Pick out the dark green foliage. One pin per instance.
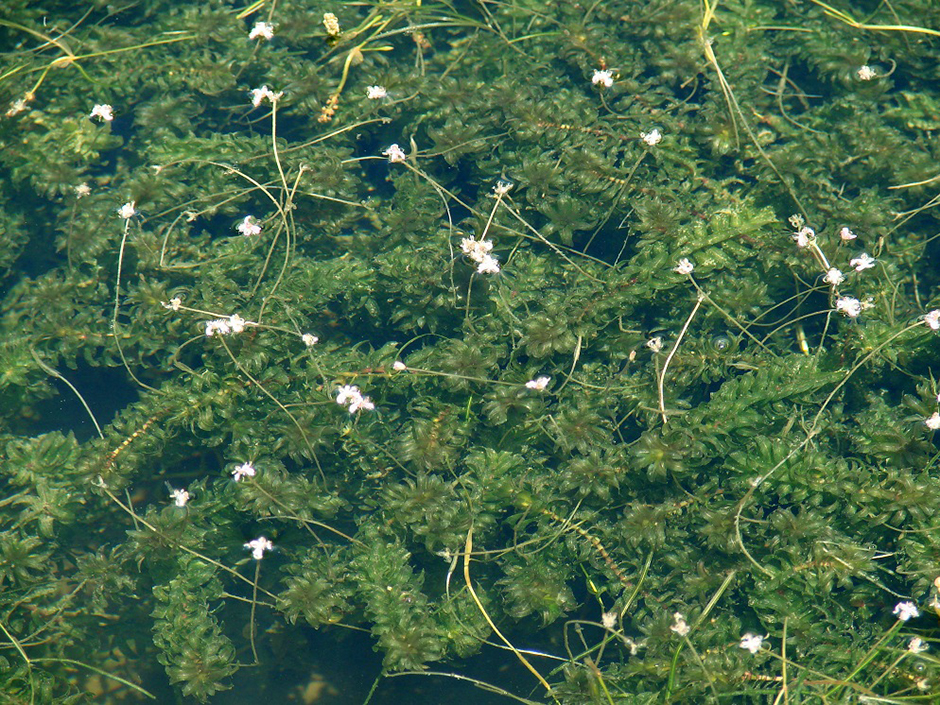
(391, 592)
(537, 586)
(193, 648)
(431, 508)
(774, 472)
(317, 589)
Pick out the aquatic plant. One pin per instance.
(594, 339)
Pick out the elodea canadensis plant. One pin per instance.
(596, 343)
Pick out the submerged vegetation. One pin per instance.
(599, 339)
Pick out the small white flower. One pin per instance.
(219, 325)
(361, 403)
(376, 92)
(258, 546)
(679, 625)
(653, 137)
(933, 422)
(932, 319)
(82, 190)
(866, 73)
(309, 339)
(604, 79)
(804, 236)
(684, 267)
(905, 611)
(502, 187)
(347, 393)
(249, 226)
(849, 306)
(173, 304)
(917, 645)
(237, 323)
(609, 619)
(399, 366)
(834, 277)
(262, 30)
(846, 235)
(395, 154)
(242, 471)
(103, 111)
(331, 24)
(751, 642)
(260, 94)
(127, 210)
(539, 383)
(488, 265)
(862, 262)
(655, 344)
(476, 249)
(180, 497)
(350, 394)
(18, 106)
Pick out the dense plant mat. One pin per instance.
(593, 343)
